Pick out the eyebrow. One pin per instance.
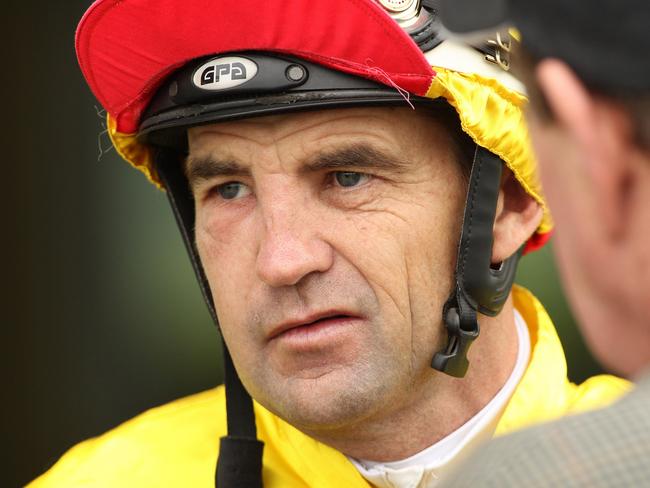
(356, 156)
(208, 167)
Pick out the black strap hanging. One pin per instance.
(479, 286)
(240, 452)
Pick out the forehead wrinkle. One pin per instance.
(271, 125)
(324, 121)
(261, 131)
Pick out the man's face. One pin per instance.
(329, 241)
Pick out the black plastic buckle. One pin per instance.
(462, 328)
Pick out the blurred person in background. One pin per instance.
(587, 70)
(355, 193)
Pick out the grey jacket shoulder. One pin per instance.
(604, 448)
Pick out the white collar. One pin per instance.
(423, 469)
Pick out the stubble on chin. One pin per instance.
(337, 399)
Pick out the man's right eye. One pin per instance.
(233, 190)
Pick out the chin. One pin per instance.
(326, 402)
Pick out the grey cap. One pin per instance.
(606, 42)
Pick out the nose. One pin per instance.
(291, 245)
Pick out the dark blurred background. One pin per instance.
(103, 316)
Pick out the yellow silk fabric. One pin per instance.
(493, 117)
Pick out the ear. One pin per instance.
(517, 217)
(601, 137)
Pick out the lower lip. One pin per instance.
(318, 334)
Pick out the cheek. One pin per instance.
(405, 249)
(430, 268)
(437, 220)
(430, 257)
(229, 263)
(374, 243)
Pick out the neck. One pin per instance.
(438, 404)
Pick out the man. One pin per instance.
(349, 228)
(590, 122)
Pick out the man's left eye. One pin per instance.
(347, 179)
(233, 190)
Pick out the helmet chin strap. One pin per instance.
(240, 452)
(478, 286)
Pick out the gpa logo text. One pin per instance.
(211, 74)
(223, 73)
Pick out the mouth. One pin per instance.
(312, 325)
